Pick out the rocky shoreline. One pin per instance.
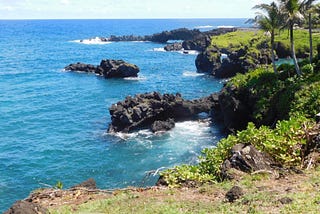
(156, 111)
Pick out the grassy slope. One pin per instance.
(239, 39)
(261, 195)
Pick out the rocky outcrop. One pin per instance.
(234, 194)
(25, 207)
(236, 61)
(173, 47)
(234, 109)
(88, 184)
(142, 110)
(246, 158)
(108, 68)
(195, 37)
(159, 126)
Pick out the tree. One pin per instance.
(307, 9)
(269, 20)
(292, 11)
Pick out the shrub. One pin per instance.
(308, 68)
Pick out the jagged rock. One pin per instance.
(173, 47)
(158, 125)
(143, 110)
(88, 184)
(234, 193)
(25, 207)
(234, 110)
(118, 69)
(246, 158)
(208, 60)
(107, 68)
(81, 67)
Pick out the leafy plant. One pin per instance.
(59, 185)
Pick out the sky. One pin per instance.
(126, 9)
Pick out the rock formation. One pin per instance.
(246, 158)
(143, 110)
(108, 68)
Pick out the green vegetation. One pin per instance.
(293, 101)
(301, 40)
(239, 39)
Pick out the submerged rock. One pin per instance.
(142, 110)
(108, 68)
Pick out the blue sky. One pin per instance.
(82, 9)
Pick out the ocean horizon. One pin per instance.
(53, 123)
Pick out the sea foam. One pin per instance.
(192, 74)
(92, 41)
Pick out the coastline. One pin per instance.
(134, 190)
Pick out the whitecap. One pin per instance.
(92, 41)
(144, 133)
(226, 26)
(192, 74)
(204, 26)
(135, 78)
(159, 49)
(189, 52)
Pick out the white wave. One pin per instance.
(159, 49)
(191, 128)
(204, 26)
(226, 26)
(93, 41)
(135, 78)
(190, 52)
(145, 133)
(192, 74)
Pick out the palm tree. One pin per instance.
(307, 8)
(270, 20)
(291, 9)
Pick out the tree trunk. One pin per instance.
(310, 38)
(295, 61)
(272, 53)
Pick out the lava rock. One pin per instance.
(173, 47)
(246, 158)
(108, 68)
(158, 125)
(142, 110)
(88, 184)
(25, 207)
(234, 193)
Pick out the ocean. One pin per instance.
(53, 123)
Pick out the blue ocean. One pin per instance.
(53, 123)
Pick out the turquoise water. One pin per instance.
(53, 123)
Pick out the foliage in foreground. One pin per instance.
(284, 143)
(296, 99)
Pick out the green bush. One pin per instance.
(308, 68)
(284, 144)
(307, 100)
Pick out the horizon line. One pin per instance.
(26, 19)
